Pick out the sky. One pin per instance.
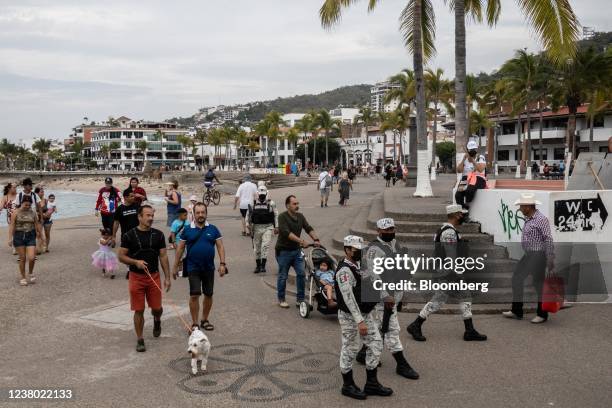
(62, 60)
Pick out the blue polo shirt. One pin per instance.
(201, 253)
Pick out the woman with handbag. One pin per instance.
(473, 177)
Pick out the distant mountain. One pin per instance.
(350, 96)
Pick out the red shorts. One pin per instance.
(141, 287)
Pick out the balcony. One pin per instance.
(601, 134)
(549, 133)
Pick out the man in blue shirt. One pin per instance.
(201, 239)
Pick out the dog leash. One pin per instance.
(168, 300)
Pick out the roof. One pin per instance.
(123, 118)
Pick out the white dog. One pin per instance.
(199, 347)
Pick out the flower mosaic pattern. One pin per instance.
(264, 373)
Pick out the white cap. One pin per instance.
(455, 208)
(472, 145)
(527, 199)
(385, 223)
(262, 190)
(261, 183)
(193, 198)
(353, 241)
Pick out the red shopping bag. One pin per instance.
(552, 294)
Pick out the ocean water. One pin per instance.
(75, 204)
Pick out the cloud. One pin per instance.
(61, 60)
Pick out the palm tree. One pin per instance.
(438, 91)
(242, 139)
(261, 130)
(544, 94)
(215, 139)
(142, 145)
(553, 21)
(186, 142)
(496, 97)
(292, 136)
(326, 123)
(306, 126)
(41, 146)
(521, 73)
(576, 79)
(405, 92)
(201, 137)
(599, 102)
(396, 122)
(273, 121)
(9, 151)
(366, 118)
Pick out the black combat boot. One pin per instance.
(415, 329)
(258, 267)
(403, 368)
(373, 387)
(349, 388)
(470, 333)
(263, 266)
(361, 355)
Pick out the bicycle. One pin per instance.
(211, 195)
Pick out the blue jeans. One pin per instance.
(287, 259)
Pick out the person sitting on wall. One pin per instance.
(473, 178)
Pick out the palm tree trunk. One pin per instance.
(394, 147)
(540, 141)
(527, 148)
(460, 78)
(305, 152)
(571, 130)
(518, 147)
(326, 149)
(314, 151)
(434, 136)
(591, 125)
(423, 187)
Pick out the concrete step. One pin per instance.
(521, 184)
(399, 211)
(411, 237)
(427, 227)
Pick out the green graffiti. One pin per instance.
(512, 221)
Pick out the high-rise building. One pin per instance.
(377, 97)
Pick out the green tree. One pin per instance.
(201, 137)
(41, 146)
(306, 125)
(327, 124)
(319, 150)
(438, 92)
(395, 121)
(446, 152)
(9, 152)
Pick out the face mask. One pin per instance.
(461, 220)
(388, 237)
(357, 255)
(472, 153)
(262, 197)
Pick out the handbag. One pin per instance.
(552, 294)
(462, 185)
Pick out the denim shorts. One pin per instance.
(24, 239)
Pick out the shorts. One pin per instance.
(48, 222)
(243, 212)
(24, 239)
(201, 282)
(141, 287)
(325, 192)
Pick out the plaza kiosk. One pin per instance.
(579, 210)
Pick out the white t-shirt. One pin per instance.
(246, 192)
(468, 166)
(322, 179)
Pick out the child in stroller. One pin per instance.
(326, 279)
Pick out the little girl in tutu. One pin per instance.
(104, 258)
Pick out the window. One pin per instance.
(536, 154)
(115, 135)
(508, 128)
(171, 138)
(503, 155)
(603, 149)
(138, 135)
(559, 153)
(598, 122)
(127, 145)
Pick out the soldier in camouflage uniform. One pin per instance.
(357, 321)
(449, 244)
(262, 219)
(385, 246)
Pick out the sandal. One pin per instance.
(206, 325)
(23, 282)
(32, 279)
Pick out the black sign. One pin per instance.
(585, 214)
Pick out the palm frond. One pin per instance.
(330, 12)
(555, 25)
(428, 27)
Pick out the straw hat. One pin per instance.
(527, 199)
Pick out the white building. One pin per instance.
(374, 148)
(161, 138)
(344, 115)
(377, 97)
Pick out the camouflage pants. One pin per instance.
(391, 339)
(262, 236)
(439, 299)
(351, 343)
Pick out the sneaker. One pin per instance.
(283, 304)
(140, 346)
(156, 328)
(511, 315)
(538, 320)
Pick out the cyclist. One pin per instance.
(210, 177)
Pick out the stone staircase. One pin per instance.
(415, 230)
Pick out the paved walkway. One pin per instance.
(73, 329)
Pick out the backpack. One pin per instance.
(328, 181)
(32, 195)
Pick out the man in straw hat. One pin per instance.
(448, 243)
(537, 243)
(356, 318)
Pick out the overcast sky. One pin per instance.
(61, 60)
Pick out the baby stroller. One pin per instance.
(316, 293)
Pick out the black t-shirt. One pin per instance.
(144, 246)
(127, 216)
